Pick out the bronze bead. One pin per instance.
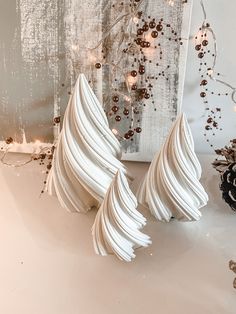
(98, 65)
(118, 118)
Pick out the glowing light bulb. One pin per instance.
(92, 59)
(75, 47)
(127, 98)
(171, 2)
(135, 19)
(131, 79)
(37, 142)
(210, 72)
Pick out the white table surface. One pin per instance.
(48, 266)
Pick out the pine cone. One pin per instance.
(228, 186)
(229, 154)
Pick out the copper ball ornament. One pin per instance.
(152, 24)
(118, 118)
(198, 47)
(145, 27)
(115, 108)
(133, 73)
(138, 41)
(9, 140)
(126, 112)
(154, 34)
(98, 65)
(57, 120)
(115, 98)
(159, 27)
(204, 82)
(131, 133)
(140, 31)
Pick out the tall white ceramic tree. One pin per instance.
(171, 187)
(117, 224)
(87, 153)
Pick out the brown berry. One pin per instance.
(9, 140)
(138, 130)
(131, 132)
(118, 118)
(115, 98)
(98, 65)
(159, 27)
(115, 108)
(140, 31)
(204, 82)
(154, 34)
(145, 27)
(198, 47)
(133, 73)
(209, 120)
(152, 24)
(57, 119)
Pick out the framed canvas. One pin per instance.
(45, 44)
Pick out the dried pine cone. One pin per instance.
(229, 153)
(232, 266)
(228, 186)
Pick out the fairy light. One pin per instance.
(114, 131)
(75, 47)
(135, 19)
(171, 2)
(131, 79)
(127, 98)
(140, 51)
(206, 50)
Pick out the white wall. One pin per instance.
(221, 16)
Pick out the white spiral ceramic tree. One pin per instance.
(171, 187)
(86, 156)
(117, 223)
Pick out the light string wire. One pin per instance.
(128, 24)
(206, 27)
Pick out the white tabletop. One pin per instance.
(48, 266)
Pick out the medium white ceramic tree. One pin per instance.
(87, 153)
(171, 187)
(117, 223)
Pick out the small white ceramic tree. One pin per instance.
(117, 223)
(171, 187)
(86, 156)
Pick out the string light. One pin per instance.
(140, 49)
(206, 50)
